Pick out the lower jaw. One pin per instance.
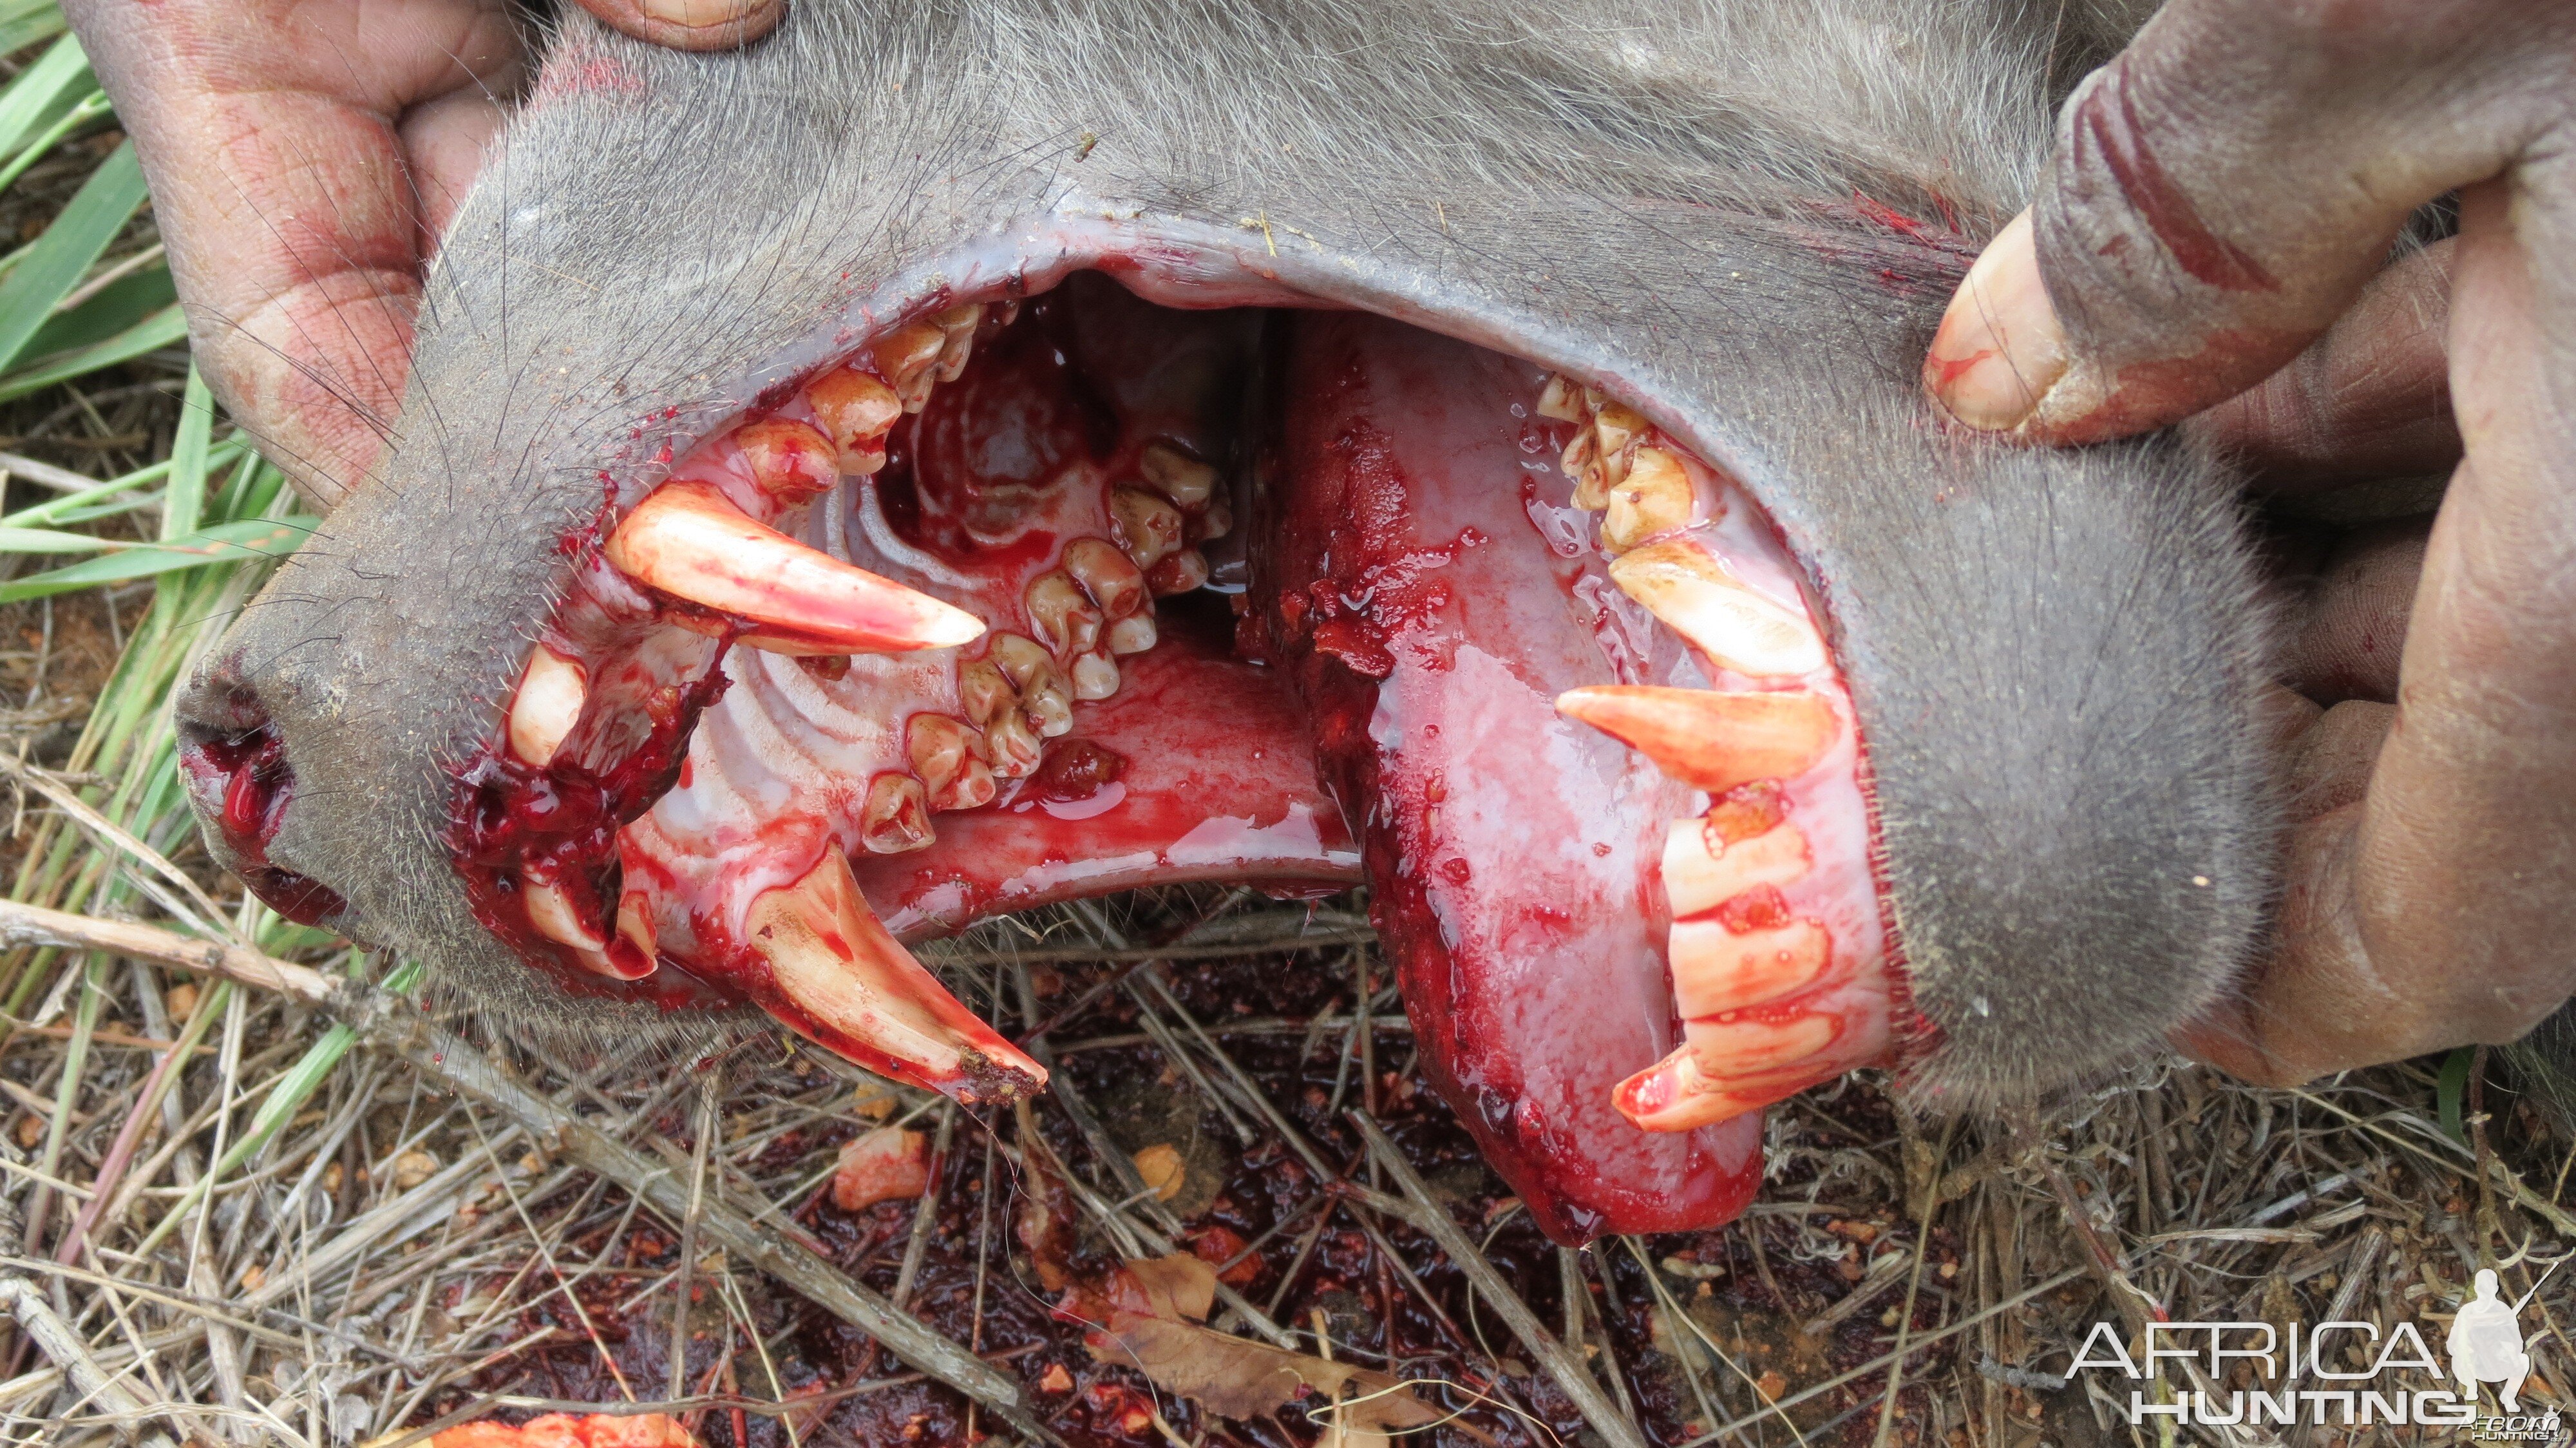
(1368, 691)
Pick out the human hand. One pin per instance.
(2221, 201)
(304, 156)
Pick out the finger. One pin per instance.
(2330, 761)
(691, 24)
(2369, 399)
(2352, 631)
(2220, 193)
(271, 134)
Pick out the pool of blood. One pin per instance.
(1429, 628)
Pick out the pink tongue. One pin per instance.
(1430, 624)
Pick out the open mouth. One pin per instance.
(1051, 591)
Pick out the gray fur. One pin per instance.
(2051, 654)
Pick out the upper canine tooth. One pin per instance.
(1561, 399)
(1654, 498)
(1184, 479)
(1062, 614)
(1149, 527)
(1709, 740)
(1702, 871)
(896, 816)
(1177, 573)
(857, 410)
(948, 757)
(1686, 587)
(1095, 676)
(906, 356)
(1133, 634)
(689, 542)
(1041, 684)
(790, 461)
(1111, 578)
(551, 692)
(958, 323)
(857, 991)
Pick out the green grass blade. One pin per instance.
(59, 78)
(165, 328)
(186, 501)
(24, 22)
(255, 539)
(117, 306)
(67, 250)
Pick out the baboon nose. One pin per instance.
(242, 784)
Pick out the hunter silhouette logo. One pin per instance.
(2486, 1342)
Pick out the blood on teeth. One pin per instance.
(1179, 572)
(1109, 576)
(1061, 613)
(1702, 872)
(791, 462)
(896, 817)
(1655, 497)
(547, 705)
(1148, 526)
(857, 410)
(1709, 740)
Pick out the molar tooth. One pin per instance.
(1682, 584)
(958, 323)
(1183, 479)
(1095, 676)
(1062, 615)
(858, 992)
(688, 541)
(1561, 399)
(1015, 746)
(1213, 521)
(1178, 573)
(948, 756)
(1042, 690)
(1654, 498)
(1133, 634)
(1702, 871)
(1715, 969)
(857, 410)
(906, 358)
(1111, 578)
(1149, 527)
(984, 692)
(896, 816)
(551, 693)
(789, 461)
(1709, 740)
(1616, 424)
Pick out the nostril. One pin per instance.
(237, 774)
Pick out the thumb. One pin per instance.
(2220, 192)
(691, 24)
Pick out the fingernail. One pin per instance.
(2000, 348)
(699, 14)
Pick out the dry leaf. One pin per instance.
(1162, 1169)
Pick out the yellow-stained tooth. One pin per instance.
(1111, 578)
(1182, 478)
(1684, 585)
(1133, 634)
(1709, 740)
(690, 542)
(857, 410)
(1654, 498)
(1149, 527)
(1700, 876)
(1716, 969)
(896, 816)
(1560, 400)
(548, 704)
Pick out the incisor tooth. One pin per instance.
(983, 692)
(947, 755)
(1013, 744)
(1133, 634)
(1095, 676)
(1560, 399)
(1149, 527)
(1177, 573)
(689, 542)
(789, 461)
(1715, 969)
(1654, 498)
(857, 410)
(1682, 584)
(1582, 462)
(1182, 478)
(906, 356)
(1679, 1094)
(1061, 614)
(1701, 871)
(551, 693)
(1111, 578)
(1709, 740)
(896, 816)
(858, 992)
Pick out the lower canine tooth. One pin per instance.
(789, 461)
(1709, 740)
(1095, 676)
(832, 963)
(1654, 498)
(896, 817)
(1133, 634)
(1178, 573)
(1149, 527)
(1715, 969)
(1689, 589)
(688, 541)
(1702, 871)
(1063, 616)
(547, 705)
(1111, 578)
(1182, 478)
(856, 410)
